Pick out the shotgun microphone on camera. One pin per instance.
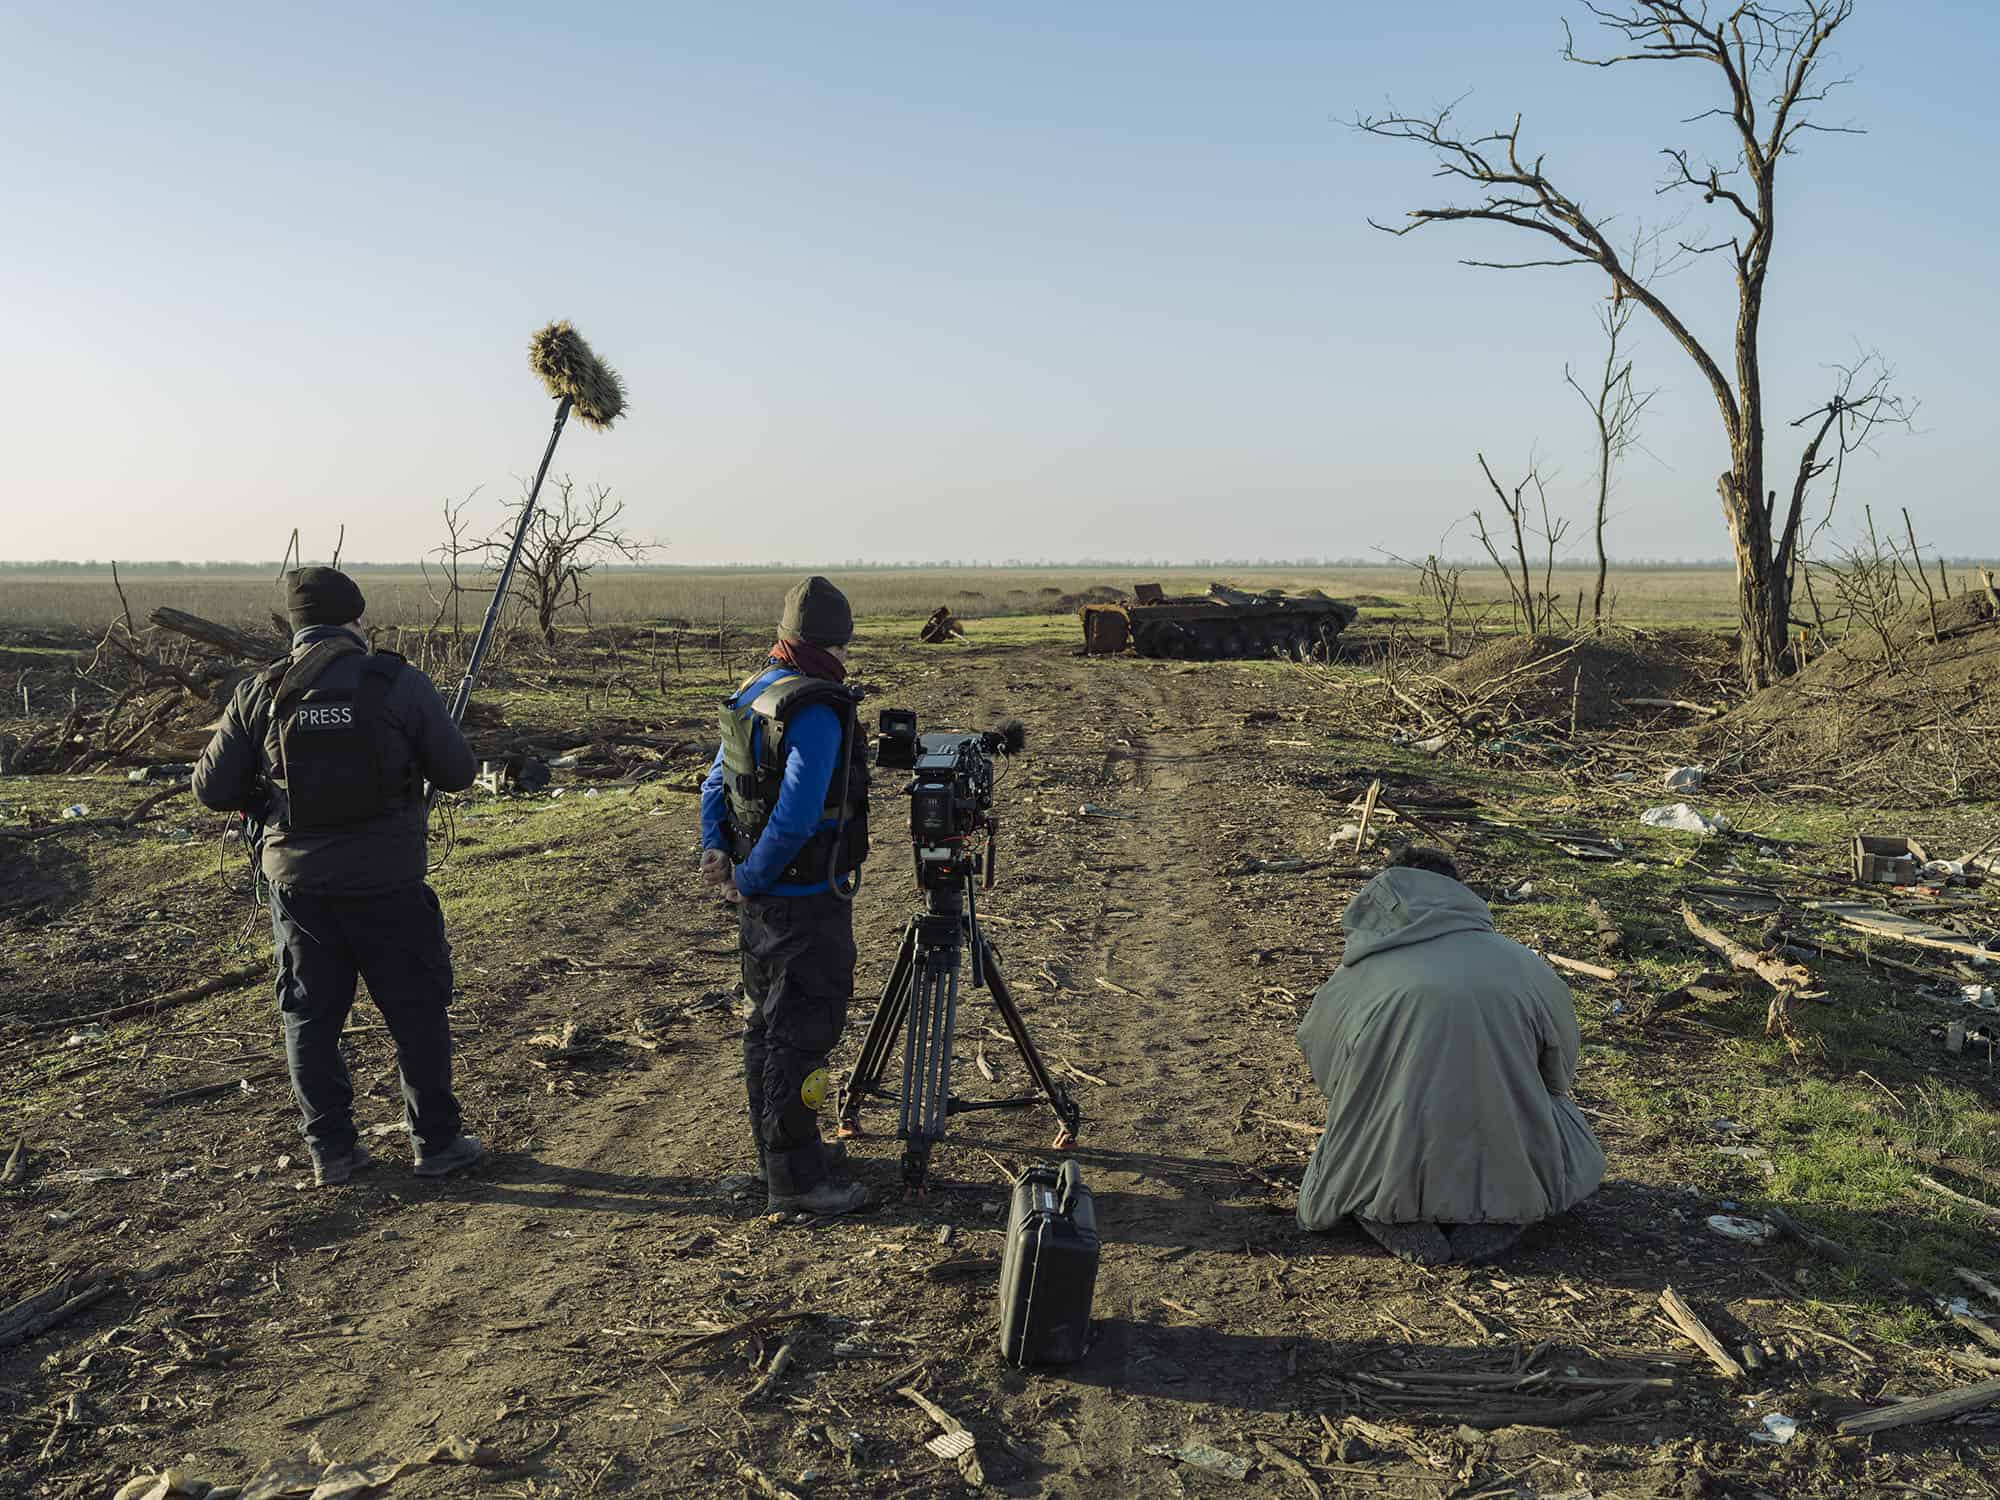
(1008, 737)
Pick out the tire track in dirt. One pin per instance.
(1162, 1147)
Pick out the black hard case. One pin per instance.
(1049, 1268)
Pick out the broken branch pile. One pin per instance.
(1902, 706)
(147, 696)
(1522, 688)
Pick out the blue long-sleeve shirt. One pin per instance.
(812, 748)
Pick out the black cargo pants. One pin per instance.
(798, 972)
(395, 940)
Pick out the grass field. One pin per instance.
(401, 596)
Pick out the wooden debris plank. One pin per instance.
(1783, 977)
(1610, 936)
(1579, 966)
(779, 1363)
(241, 644)
(233, 980)
(52, 1305)
(1978, 1328)
(967, 1455)
(725, 1335)
(1367, 814)
(1281, 1459)
(1899, 928)
(1681, 703)
(1959, 1166)
(1972, 1205)
(1979, 1283)
(1689, 1322)
(1924, 1409)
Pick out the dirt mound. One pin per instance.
(1535, 677)
(1907, 705)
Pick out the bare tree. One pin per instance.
(1537, 608)
(1616, 407)
(1767, 55)
(567, 540)
(1862, 402)
(447, 587)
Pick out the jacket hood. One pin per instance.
(311, 635)
(1404, 906)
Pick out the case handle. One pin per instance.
(1069, 1181)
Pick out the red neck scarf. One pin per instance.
(814, 661)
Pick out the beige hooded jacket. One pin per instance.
(1446, 1053)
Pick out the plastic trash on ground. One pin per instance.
(1778, 1428)
(1682, 818)
(1743, 1231)
(1684, 779)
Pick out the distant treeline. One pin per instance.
(271, 569)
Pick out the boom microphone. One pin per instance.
(1008, 737)
(580, 382)
(559, 355)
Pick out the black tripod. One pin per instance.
(923, 991)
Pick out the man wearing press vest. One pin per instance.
(329, 750)
(784, 829)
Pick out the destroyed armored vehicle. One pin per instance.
(1223, 623)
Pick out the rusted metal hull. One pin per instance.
(1226, 624)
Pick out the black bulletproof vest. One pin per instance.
(752, 777)
(328, 749)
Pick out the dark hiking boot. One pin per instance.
(332, 1171)
(1420, 1244)
(829, 1198)
(1473, 1244)
(741, 1182)
(464, 1151)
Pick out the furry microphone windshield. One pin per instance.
(559, 355)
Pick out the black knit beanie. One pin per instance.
(816, 612)
(322, 596)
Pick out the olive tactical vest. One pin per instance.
(325, 749)
(753, 772)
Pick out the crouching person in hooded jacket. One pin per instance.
(330, 749)
(1446, 1053)
(784, 824)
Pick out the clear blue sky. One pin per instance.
(898, 281)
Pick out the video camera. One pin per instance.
(951, 804)
(950, 792)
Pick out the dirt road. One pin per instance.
(545, 1308)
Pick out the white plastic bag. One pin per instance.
(1684, 819)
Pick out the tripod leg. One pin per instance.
(1066, 1109)
(880, 1042)
(927, 1063)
